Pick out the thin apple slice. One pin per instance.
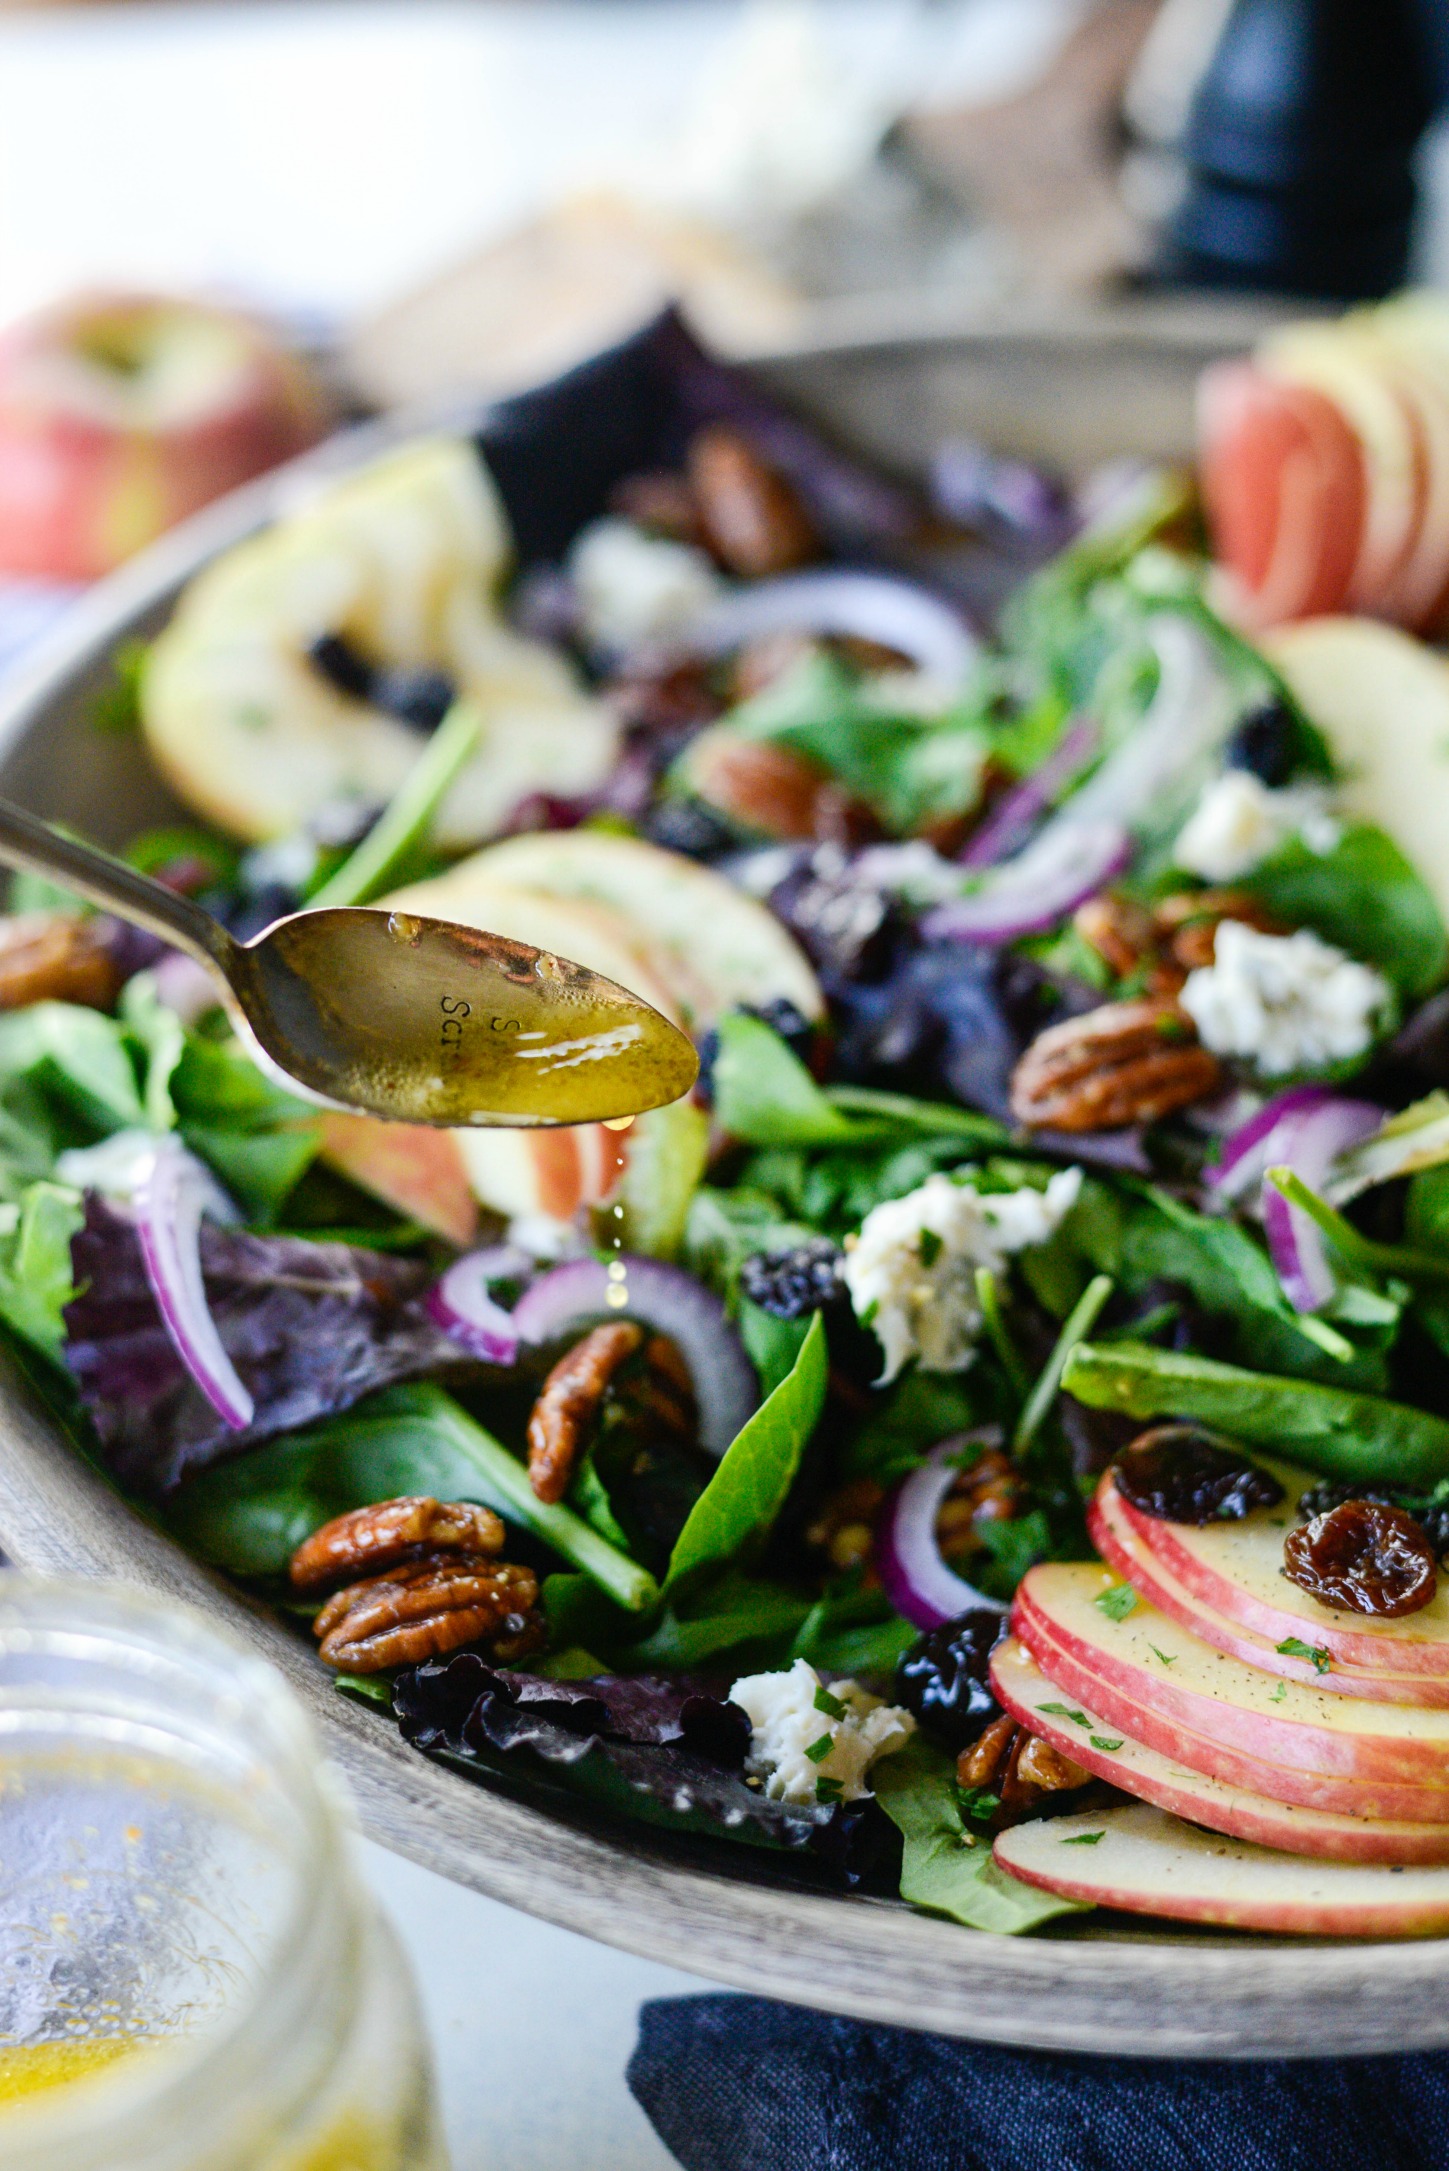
(1424, 388)
(1332, 360)
(1284, 483)
(1165, 1668)
(1145, 1862)
(1235, 1570)
(1024, 1690)
(1291, 1658)
(714, 946)
(409, 1166)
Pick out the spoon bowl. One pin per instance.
(412, 1019)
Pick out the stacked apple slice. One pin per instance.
(1315, 1743)
(1325, 468)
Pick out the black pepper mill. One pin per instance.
(1300, 147)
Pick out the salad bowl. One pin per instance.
(1076, 395)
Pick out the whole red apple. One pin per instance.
(122, 413)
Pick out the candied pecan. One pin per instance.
(422, 1609)
(61, 957)
(660, 501)
(380, 1537)
(991, 1491)
(771, 789)
(1124, 1063)
(1017, 1766)
(1187, 923)
(752, 519)
(987, 1755)
(844, 1528)
(571, 1395)
(764, 660)
(1120, 932)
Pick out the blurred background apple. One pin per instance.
(122, 413)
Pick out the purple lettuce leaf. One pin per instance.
(650, 1710)
(311, 1329)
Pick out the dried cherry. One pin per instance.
(1365, 1557)
(945, 1681)
(1183, 1474)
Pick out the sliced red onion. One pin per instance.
(870, 606)
(168, 1203)
(1011, 820)
(463, 1305)
(1309, 1141)
(913, 1572)
(1249, 1150)
(674, 1304)
(1068, 863)
(1089, 841)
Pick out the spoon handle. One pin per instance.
(26, 841)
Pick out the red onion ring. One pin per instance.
(168, 1204)
(1008, 824)
(462, 1304)
(1068, 863)
(908, 1560)
(871, 606)
(583, 1291)
(1249, 1150)
(1309, 1141)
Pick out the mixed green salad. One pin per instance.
(1072, 1058)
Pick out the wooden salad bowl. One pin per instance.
(1078, 392)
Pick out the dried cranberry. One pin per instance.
(945, 1680)
(1186, 1475)
(1363, 1556)
(1430, 1513)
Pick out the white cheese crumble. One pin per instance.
(806, 1734)
(911, 1272)
(1239, 822)
(1283, 1002)
(635, 587)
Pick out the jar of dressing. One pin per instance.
(192, 1976)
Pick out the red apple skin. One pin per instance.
(1385, 1914)
(409, 1166)
(1242, 1814)
(1123, 1550)
(1235, 1766)
(1285, 488)
(82, 488)
(1362, 1647)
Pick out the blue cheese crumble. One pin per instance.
(811, 1743)
(1283, 1003)
(1239, 822)
(635, 587)
(911, 1271)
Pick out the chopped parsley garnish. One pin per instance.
(830, 1705)
(1104, 1741)
(929, 1247)
(829, 1790)
(1083, 1839)
(1279, 1693)
(1065, 1711)
(1116, 1603)
(1295, 1647)
(1152, 1647)
(977, 1803)
(819, 1750)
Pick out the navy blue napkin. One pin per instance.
(743, 2084)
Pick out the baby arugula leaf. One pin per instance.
(1329, 1429)
(738, 1507)
(945, 1869)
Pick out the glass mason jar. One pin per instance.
(192, 1976)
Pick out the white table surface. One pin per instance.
(531, 2027)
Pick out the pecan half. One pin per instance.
(844, 1527)
(775, 791)
(751, 517)
(991, 1491)
(659, 500)
(566, 1407)
(61, 957)
(1121, 933)
(1125, 1063)
(1187, 923)
(422, 1609)
(373, 1539)
(1017, 1766)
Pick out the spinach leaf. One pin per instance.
(763, 1093)
(162, 1036)
(738, 1507)
(259, 1139)
(1328, 1429)
(772, 1345)
(35, 1266)
(1366, 897)
(920, 1409)
(945, 1869)
(76, 1056)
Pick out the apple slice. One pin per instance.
(409, 1166)
(1165, 1668)
(1234, 1572)
(716, 947)
(1024, 1690)
(1145, 1862)
(1119, 1545)
(1424, 390)
(1284, 483)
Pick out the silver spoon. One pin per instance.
(416, 1020)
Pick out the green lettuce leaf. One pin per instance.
(1366, 897)
(945, 1869)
